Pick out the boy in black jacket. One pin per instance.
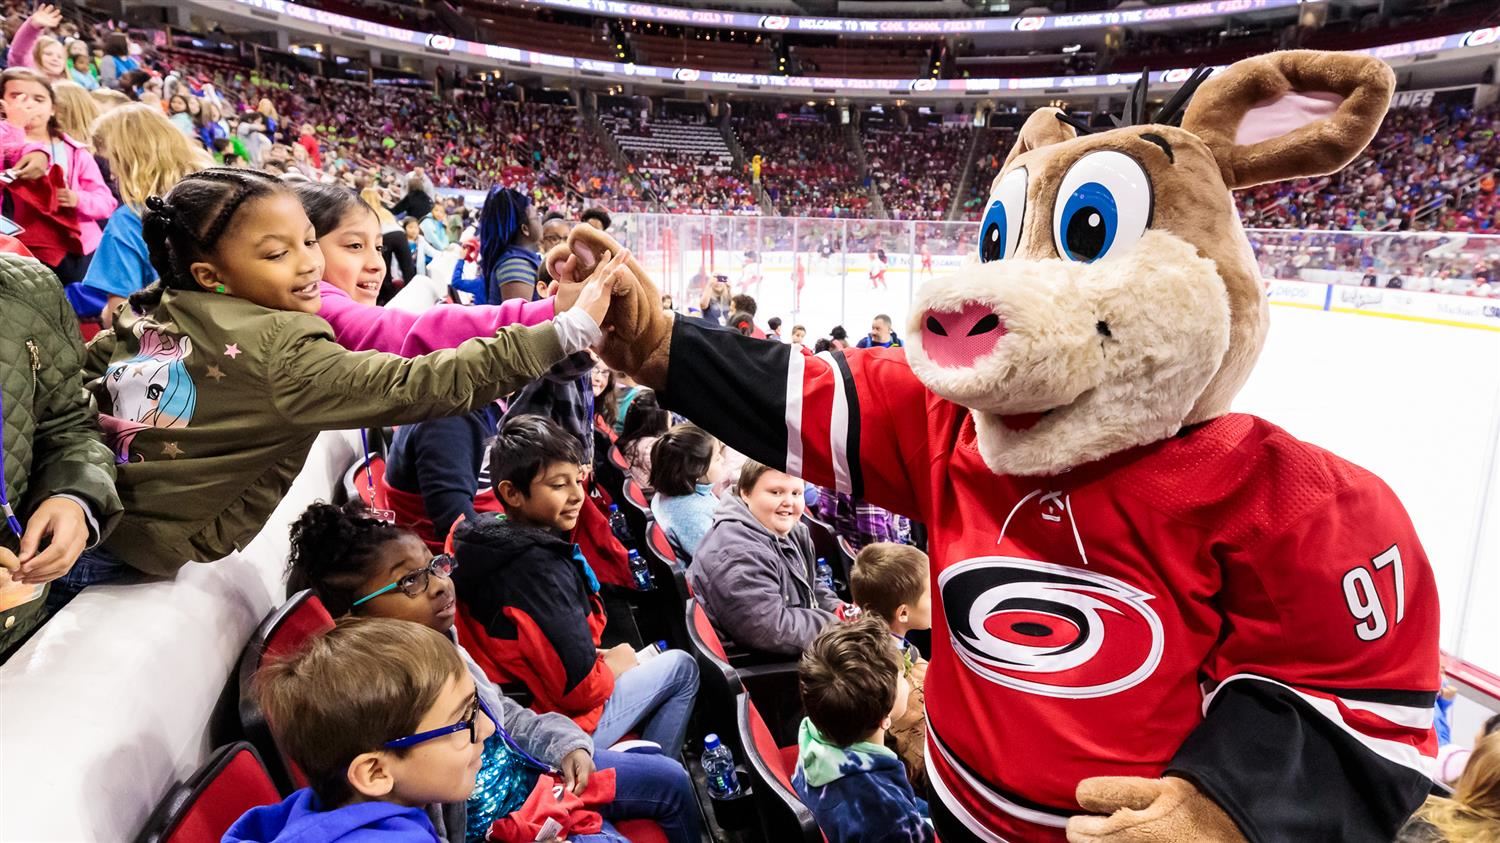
(529, 606)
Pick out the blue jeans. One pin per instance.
(650, 787)
(92, 568)
(658, 696)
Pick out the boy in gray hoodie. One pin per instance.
(755, 572)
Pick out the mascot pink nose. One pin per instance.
(956, 339)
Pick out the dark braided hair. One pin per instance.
(332, 549)
(185, 226)
(500, 222)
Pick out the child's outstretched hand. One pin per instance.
(594, 298)
(46, 16)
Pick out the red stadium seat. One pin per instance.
(285, 630)
(664, 563)
(704, 635)
(664, 548)
(204, 807)
(605, 429)
(783, 816)
(641, 831)
(635, 495)
(617, 459)
(719, 683)
(636, 508)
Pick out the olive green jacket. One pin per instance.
(212, 403)
(50, 429)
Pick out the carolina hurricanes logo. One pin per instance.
(1048, 629)
(439, 41)
(1480, 37)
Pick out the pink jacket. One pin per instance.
(95, 202)
(22, 45)
(359, 327)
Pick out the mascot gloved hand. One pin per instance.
(637, 330)
(1153, 619)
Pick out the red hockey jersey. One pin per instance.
(1232, 605)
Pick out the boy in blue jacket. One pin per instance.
(854, 687)
(384, 719)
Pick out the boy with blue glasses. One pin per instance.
(384, 719)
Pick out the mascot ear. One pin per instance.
(1042, 128)
(1290, 115)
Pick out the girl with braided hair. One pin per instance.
(510, 236)
(217, 378)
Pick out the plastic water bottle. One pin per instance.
(640, 573)
(618, 526)
(903, 530)
(718, 768)
(825, 573)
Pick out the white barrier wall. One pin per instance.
(108, 704)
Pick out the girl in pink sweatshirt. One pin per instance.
(74, 188)
(349, 235)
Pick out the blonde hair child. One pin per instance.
(147, 156)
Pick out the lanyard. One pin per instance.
(10, 514)
(516, 748)
(364, 444)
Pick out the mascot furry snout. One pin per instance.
(1066, 362)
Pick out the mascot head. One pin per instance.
(1113, 297)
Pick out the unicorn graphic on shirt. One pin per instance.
(151, 389)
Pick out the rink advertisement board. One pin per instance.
(1435, 308)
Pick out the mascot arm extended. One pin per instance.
(857, 423)
(1318, 718)
(815, 417)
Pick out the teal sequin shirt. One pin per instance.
(505, 780)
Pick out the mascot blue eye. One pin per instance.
(1089, 221)
(1000, 230)
(1103, 207)
(992, 233)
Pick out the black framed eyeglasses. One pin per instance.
(415, 582)
(470, 722)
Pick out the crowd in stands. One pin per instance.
(1429, 168)
(807, 167)
(681, 162)
(917, 170)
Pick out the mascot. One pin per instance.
(1154, 619)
